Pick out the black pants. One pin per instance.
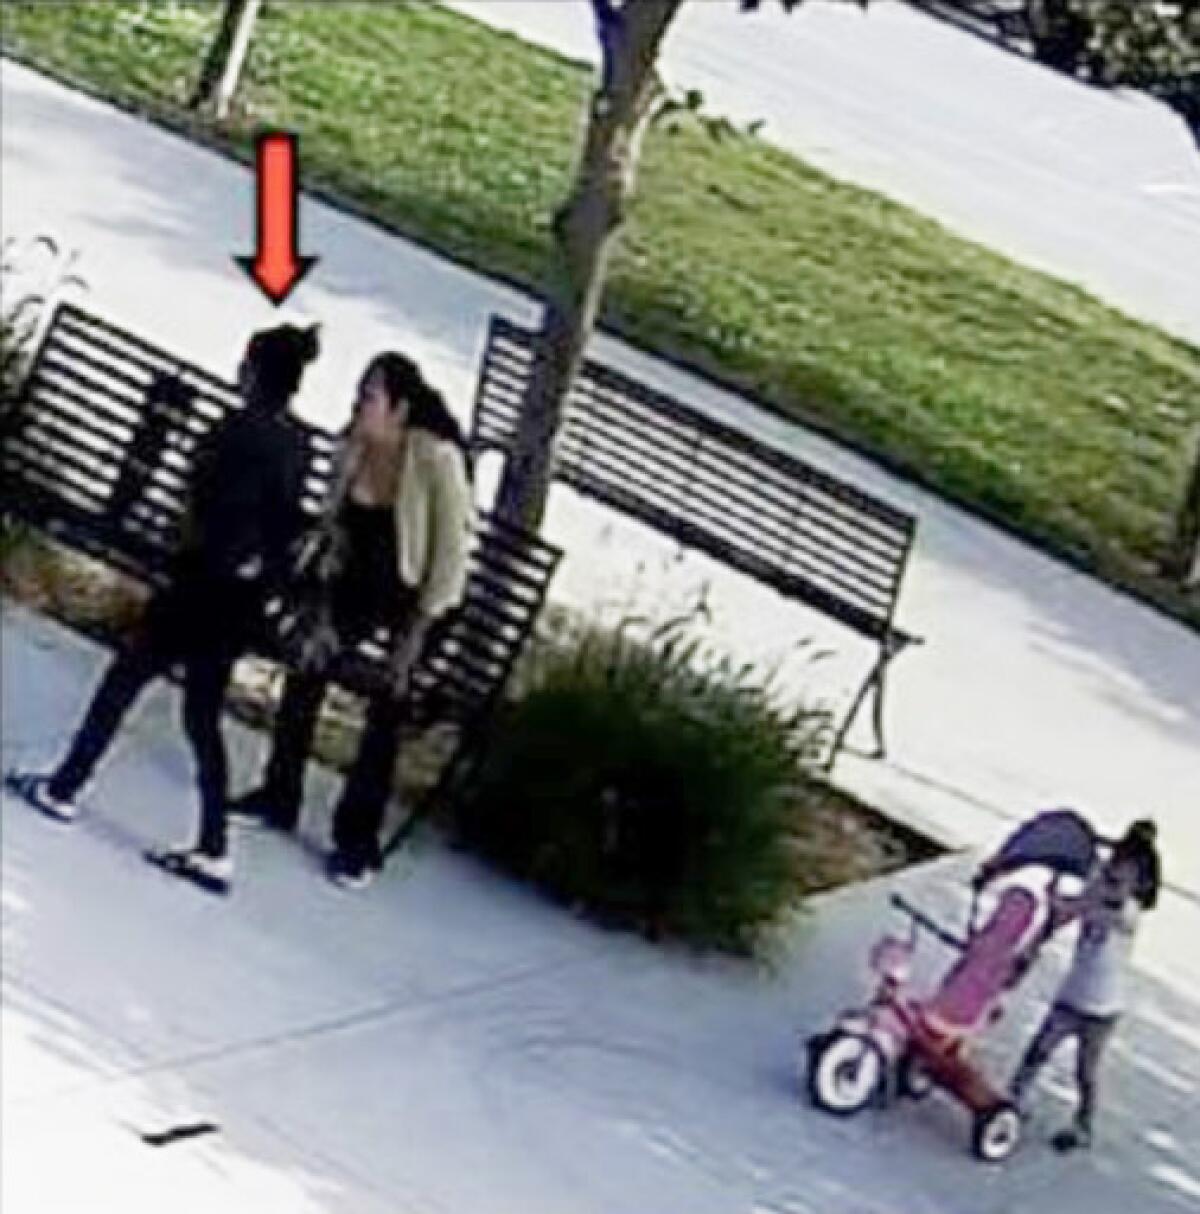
(360, 809)
(1092, 1034)
(203, 624)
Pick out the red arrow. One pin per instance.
(276, 265)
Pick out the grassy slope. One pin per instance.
(999, 386)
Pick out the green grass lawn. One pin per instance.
(1000, 387)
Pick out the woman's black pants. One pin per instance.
(360, 809)
(359, 813)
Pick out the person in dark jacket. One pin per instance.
(244, 516)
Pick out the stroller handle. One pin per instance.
(921, 919)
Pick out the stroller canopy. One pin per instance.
(1061, 839)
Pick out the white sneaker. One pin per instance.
(349, 874)
(211, 873)
(35, 790)
(217, 868)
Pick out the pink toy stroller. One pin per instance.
(902, 1044)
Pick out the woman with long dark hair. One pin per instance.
(399, 521)
(244, 515)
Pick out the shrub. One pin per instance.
(1150, 46)
(16, 330)
(29, 284)
(651, 784)
(11, 356)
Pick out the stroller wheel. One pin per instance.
(845, 1072)
(913, 1079)
(997, 1133)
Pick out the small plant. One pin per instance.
(28, 286)
(34, 274)
(17, 324)
(12, 350)
(652, 784)
(16, 330)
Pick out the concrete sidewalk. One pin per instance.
(448, 1044)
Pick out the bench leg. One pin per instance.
(465, 757)
(402, 832)
(875, 683)
(877, 708)
(419, 812)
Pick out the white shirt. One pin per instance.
(1097, 980)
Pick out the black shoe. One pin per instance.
(1077, 1138)
(259, 810)
(349, 872)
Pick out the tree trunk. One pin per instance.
(226, 56)
(584, 231)
(1182, 562)
(1060, 34)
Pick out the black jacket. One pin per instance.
(246, 498)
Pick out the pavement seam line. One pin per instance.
(369, 1015)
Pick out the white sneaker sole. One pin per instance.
(33, 791)
(213, 876)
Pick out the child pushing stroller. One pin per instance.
(1093, 994)
(905, 1044)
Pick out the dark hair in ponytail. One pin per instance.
(1138, 846)
(427, 409)
(278, 358)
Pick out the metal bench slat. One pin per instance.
(780, 540)
(53, 434)
(504, 332)
(77, 319)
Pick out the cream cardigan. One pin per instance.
(435, 517)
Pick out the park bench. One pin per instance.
(791, 526)
(98, 454)
(1004, 21)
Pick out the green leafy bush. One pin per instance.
(1153, 46)
(651, 784)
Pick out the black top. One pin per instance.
(369, 585)
(246, 496)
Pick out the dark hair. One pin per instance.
(403, 381)
(1138, 847)
(279, 357)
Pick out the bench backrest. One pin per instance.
(100, 454)
(999, 20)
(792, 526)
